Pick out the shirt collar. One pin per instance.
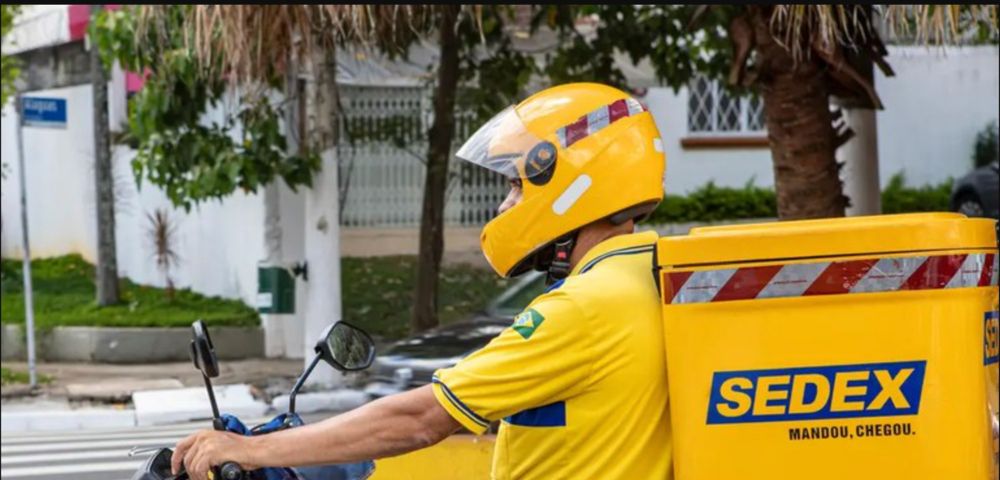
(617, 244)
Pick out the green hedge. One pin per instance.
(711, 203)
(898, 198)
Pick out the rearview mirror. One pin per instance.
(346, 347)
(202, 350)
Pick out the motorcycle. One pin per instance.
(343, 346)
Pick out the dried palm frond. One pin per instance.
(938, 24)
(251, 44)
(798, 27)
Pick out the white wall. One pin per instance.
(38, 26)
(219, 243)
(688, 169)
(60, 178)
(934, 106)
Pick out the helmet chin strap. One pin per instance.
(560, 266)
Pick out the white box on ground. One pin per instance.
(338, 400)
(157, 407)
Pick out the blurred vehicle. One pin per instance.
(975, 194)
(410, 362)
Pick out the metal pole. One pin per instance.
(29, 306)
(860, 153)
(860, 157)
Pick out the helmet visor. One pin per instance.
(505, 146)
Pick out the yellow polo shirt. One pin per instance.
(580, 378)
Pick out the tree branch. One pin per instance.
(741, 34)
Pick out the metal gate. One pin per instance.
(382, 156)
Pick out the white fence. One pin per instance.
(382, 155)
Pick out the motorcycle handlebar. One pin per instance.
(231, 471)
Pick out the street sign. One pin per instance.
(43, 112)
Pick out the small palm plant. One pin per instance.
(161, 232)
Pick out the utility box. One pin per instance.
(862, 348)
(275, 290)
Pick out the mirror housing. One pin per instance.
(202, 350)
(346, 347)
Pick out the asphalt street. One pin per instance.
(90, 454)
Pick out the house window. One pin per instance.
(712, 111)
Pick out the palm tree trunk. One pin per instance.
(803, 142)
(436, 182)
(107, 261)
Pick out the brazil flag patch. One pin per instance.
(527, 321)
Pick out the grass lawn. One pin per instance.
(11, 377)
(378, 292)
(64, 296)
(378, 296)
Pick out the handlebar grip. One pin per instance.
(231, 471)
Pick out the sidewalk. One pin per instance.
(86, 396)
(114, 383)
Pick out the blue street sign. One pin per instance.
(43, 112)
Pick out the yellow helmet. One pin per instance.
(583, 152)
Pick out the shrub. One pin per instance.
(898, 198)
(711, 203)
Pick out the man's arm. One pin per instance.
(389, 426)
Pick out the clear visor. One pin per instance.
(505, 146)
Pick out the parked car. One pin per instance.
(976, 194)
(410, 362)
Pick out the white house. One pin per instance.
(935, 105)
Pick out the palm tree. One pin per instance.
(162, 231)
(798, 56)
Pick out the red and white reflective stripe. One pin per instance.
(831, 278)
(593, 122)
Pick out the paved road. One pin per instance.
(88, 454)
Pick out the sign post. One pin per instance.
(36, 112)
(29, 306)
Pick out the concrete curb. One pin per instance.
(158, 407)
(129, 344)
(12, 342)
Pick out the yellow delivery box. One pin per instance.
(861, 348)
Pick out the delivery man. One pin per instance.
(578, 382)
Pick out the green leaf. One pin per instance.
(190, 161)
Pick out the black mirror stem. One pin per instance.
(298, 384)
(211, 397)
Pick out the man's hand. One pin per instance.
(201, 451)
